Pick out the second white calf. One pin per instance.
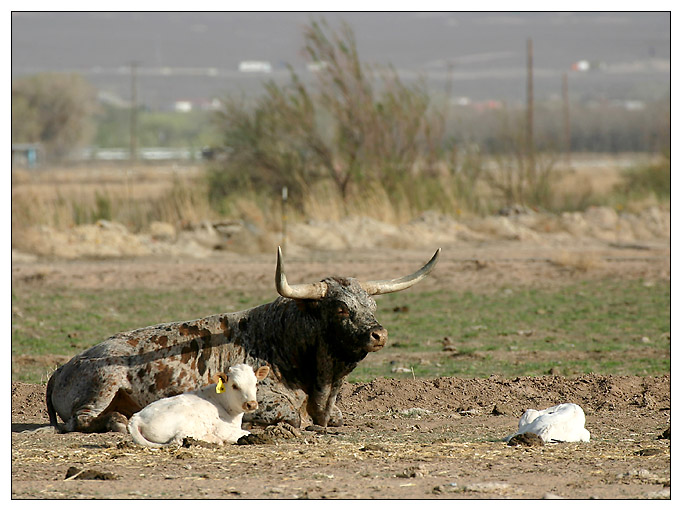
(561, 423)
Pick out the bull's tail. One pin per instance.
(48, 400)
(134, 429)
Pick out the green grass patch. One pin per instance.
(590, 326)
(604, 315)
(610, 326)
(68, 321)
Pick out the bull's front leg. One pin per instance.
(321, 405)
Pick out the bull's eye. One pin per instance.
(234, 386)
(343, 311)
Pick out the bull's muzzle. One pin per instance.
(377, 339)
(250, 406)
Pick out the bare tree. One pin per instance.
(358, 124)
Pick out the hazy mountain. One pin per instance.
(197, 55)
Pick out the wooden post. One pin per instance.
(529, 134)
(133, 111)
(567, 136)
(284, 219)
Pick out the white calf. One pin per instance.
(561, 423)
(212, 414)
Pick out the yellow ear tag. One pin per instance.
(220, 387)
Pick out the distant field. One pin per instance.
(609, 327)
(138, 195)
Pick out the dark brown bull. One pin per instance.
(311, 337)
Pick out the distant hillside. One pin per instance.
(197, 55)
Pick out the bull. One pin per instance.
(311, 338)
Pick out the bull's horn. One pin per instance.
(385, 286)
(302, 291)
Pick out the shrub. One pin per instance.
(643, 180)
(359, 126)
(55, 110)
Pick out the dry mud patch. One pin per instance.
(402, 439)
(477, 267)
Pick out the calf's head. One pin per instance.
(346, 307)
(237, 388)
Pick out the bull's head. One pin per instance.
(345, 305)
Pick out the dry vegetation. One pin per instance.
(139, 198)
(62, 197)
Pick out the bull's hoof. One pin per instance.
(336, 418)
(335, 421)
(116, 422)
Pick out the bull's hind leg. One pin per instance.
(86, 422)
(113, 419)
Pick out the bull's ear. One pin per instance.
(307, 305)
(262, 372)
(219, 377)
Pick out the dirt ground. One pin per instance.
(407, 439)
(402, 439)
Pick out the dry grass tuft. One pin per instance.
(64, 197)
(577, 261)
(323, 202)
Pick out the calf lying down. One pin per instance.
(212, 414)
(561, 423)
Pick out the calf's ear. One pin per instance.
(220, 386)
(262, 372)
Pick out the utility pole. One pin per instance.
(133, 133)
(133, 111)
(284, 218)
(567, 136)
(529, 134)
